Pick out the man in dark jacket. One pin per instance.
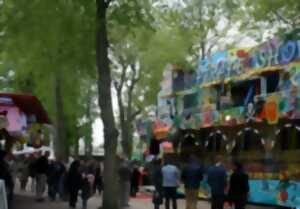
(217, 180)
(239, 186)
(74, 182)
(41, 168)
(55, 175)
(192, 175)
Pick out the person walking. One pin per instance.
(32, 171)
(24, 173)
(157, 180)
(13, 170)
(171, 177)
(74, 182)
(98, 184)
(41, 169)
(88, 179)
(135, 180)
(239, 186)
(125, 173)
(56, 172)
(217, 180)
(192, 176)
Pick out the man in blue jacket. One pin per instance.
(217, 180)
(192, 175)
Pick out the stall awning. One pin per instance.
(29, 104)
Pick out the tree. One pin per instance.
(125, 61)
(110, 15)
(261, 20)
(48, 63)
(105, 103)
(283, 13)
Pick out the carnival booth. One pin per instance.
(245, 105)
(23, 120)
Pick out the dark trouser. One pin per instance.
(170, 194)
(41, 182)
(98, 185)
(53, 188)
(217, 202)
(84, 203)
(73, 198)
(240, 202)
(134, 190)
(23, 184)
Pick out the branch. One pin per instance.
(134, 79)
(135, 114)
(106, 3)
(210, 48)
(283, 19)
(119, 85)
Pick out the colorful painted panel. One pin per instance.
(270, 192)
(275, 192)
(233, 63)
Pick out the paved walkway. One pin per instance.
(26, 201)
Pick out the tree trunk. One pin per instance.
(124, 125)
(126, 138)
(110, 194)
(60, 141)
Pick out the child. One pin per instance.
(87, 188)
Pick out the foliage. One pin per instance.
(46, 39)
(262, 20)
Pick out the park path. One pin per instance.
(26, 201)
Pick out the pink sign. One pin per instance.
(16, 118)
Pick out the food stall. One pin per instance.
(23, 120)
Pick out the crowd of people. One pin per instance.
(84, 178)
(39, 174)
(167, 178)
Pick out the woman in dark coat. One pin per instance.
(239, 186)
(74, 182)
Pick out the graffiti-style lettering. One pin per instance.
(288, 52)
(224, 64)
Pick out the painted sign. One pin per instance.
(17, 120)
(270, 192)
(229, 64)
(275, 192)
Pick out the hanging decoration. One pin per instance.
(268, 144)
(250, 113)
(35, 136)
(271, 110)
(230, 146)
